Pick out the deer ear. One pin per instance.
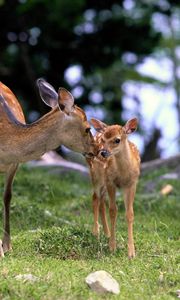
(98, 125)
(131, 125)
(66, 100)
(47, 93)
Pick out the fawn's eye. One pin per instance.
(117, 141)
(87, 129)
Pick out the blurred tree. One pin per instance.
(45, 37)
(169, 48)
(105, 40)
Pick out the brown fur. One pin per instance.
(12, 102)
(78, 111)
(20, 142)
(111, 131)
(121, 169)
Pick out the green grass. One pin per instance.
(51, 220)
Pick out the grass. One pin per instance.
(51, 220)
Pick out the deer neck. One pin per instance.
(123, 157)
(30, 141)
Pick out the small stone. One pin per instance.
(1, 249)
(167, 189)
(102, 282)
(27, 277)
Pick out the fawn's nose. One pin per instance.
(105, 153)
(88, 154)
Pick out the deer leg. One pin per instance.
(113, 216)
(102, 209)
(95, 204)
(6, 242)
(129, 194)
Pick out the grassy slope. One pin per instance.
(62, 252)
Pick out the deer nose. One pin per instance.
(105, 153)
(88, 154)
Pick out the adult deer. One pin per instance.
(117, 165)
(65, 124)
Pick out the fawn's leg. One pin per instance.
(102, 209)
(95, 204)
(129, 194)
(6, 242)
(104, 218)
(113, 216)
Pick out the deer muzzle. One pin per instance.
(88, 154)
(105, 153)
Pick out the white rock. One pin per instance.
(27, 277)
(102, 282)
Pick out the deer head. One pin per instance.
(76, 133)
(66, 124)
(112, 138)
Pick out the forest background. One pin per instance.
(118, 58)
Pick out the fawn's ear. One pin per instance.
(66, 100)
(98, 125)
(47, 93)
(131, 125)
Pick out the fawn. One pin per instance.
(117, 165)
(65, 124)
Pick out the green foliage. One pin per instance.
(70, 242)
(51, 219)
(106, 39)
(43, 38)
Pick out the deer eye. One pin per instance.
(117, 141)
(87, 129)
